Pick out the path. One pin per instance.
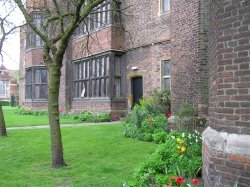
(65, 125)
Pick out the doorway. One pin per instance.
(137, 90)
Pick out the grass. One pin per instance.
(96, 156)
(16, 120)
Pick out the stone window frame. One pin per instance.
(162, 6)
(164, 77)
(34, 84)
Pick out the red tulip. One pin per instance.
(179, 180)
(168, 115)
(195, 181)
(172, 178)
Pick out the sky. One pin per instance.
(11, 46)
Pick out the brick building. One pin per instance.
(160, 44)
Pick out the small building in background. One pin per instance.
(8, 84)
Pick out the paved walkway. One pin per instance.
(65, 125)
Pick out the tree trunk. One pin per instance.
(53, 109)
(3, 132)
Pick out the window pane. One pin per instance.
(102, 88)
(166, 5)
(37, 76)
(97, 88)
(87, 89)
(93, 88)
(87, 69)
(43, 91)
(166, 84)
(166, 69)
(44, 76)
(107, 66)
(93, 69)
(28, 92)
(37, 91)
(97, 67)
(107, 87)
(102, 67)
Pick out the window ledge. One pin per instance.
(36, 100)
(92, 99)
(33, 48)
(164, 13)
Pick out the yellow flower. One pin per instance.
(178, 147)
(183, 149)
(178, 140)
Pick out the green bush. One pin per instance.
(27, 111)
(148, 126)
(5, 103)
(179, 156)
(163, 101)
(89, 117)
(144, 120)
(160, 137)
(186, 118)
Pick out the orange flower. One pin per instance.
(172, 178)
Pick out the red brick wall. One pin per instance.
(144, 25)
(146, 44)
(95, 105)
(229, 63)
(33, 57)
(186, 60)
(226, 142)
(97, 42)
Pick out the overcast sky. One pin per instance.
(12, 45)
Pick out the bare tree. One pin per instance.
(60, 20)
(7, 27)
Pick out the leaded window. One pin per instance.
(36, 83)
(99, 76)
(166, 84)
(32, 39)
(103, 15)
(92, 77)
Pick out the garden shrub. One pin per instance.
(160, 137)
(89, 117)
(186, 118)
(144, 120)
(179, 156)
(5, 103)
(163, 101)
(28, 111)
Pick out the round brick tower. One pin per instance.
(226, 142)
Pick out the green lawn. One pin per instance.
(97, 156)
(16, 120)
